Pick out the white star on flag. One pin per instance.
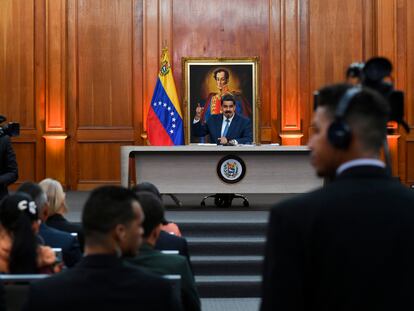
(172, 113)
(169, 108)
(173, 125)
(165, 105)
(173, 119)
(171, 131)
(159, 103)
(155, 104)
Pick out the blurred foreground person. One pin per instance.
(111, 221)
(349, 245)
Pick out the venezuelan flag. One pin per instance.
(164, 119)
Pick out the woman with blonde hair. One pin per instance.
(56, 198)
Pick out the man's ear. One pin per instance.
(120, 232)
(155, 233)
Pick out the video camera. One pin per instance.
(376, 74)
(10, 129)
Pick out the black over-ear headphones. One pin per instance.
(339, 132)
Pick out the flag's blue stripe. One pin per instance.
(167, 114)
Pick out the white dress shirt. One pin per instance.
(359, 162)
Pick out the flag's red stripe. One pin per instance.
(157, 135)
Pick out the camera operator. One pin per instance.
(8, 164)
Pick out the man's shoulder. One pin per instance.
(167, 239)
(49, 232)
(76, 277)
(159, 262)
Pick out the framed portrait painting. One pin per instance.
(207, 80)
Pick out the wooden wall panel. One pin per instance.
(92, 173)
(410, 163)
(17, 88)
(104, 48)
(218, 28)
(56, 65)
(409, 57)
(336, 39)
(105, 86)
(26, 159)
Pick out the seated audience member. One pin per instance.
(167, 226)
(58, 208)
(52, 237)
(111, 222)
(157, 262)
(19, 248)
(166, 241)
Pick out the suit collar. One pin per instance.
(100, 261)
(364, 171)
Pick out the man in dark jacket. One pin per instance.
(157, 262)
(349, 245)
(8, 165)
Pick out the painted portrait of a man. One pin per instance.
(208, 83)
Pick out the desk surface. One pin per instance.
(193, 168)
(214, 148)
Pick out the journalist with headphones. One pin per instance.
(350, 244)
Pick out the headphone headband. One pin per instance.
(345, 101)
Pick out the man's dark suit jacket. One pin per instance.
(59, 222)
(69, 244)
(8, 165)
(167, 241)
(240, 129)
(347, 246)
(102, 282)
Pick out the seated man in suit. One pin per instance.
(227, 128)
(111, 221)
(157, 262)
(166, 241)
(49, 236)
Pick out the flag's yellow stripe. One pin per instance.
(168, 84)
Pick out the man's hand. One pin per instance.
(199, 111)
(223, 140)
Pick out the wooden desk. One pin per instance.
(193, 168)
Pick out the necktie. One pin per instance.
(226, 128)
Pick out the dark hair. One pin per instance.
(226, 73)
(147, 186)
(367, 113)
(153, 211)
(17, 213)
(228, 98)
(35, 192)
(107, 207)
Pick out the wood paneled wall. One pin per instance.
(79, 74)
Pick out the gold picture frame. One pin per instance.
(200, 87)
